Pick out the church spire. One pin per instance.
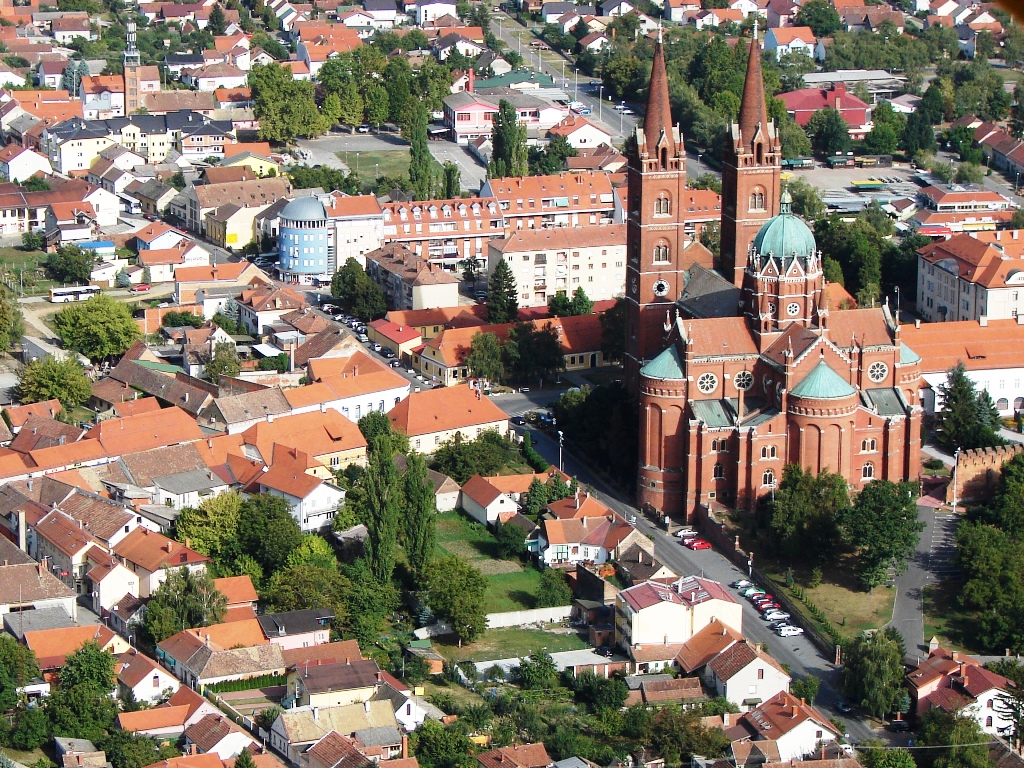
(753, 111)
(658, 117)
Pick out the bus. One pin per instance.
(73, 293)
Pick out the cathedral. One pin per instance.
(739, 366)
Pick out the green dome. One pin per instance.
(785, 235)
(822, 383)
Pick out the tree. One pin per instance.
(267, 531)
(886, 758)
(377, 105)
(961, 742)
(613, 331)
(383, 497)
(804, 516)
(829, 133)
(225, 362)
(212, 525)
(12, 322)
(31, 729)
(437, 746)
(420, 510)
(82, 706)
(510, 539)
(70, 264)
(451, 181)
(969, 173)
(358, 293)
(560, 305)
(919, 135)
(881, 140)
(455, 593)
(99, 328)
(484, 358)
(285, 107)
(820, 15)
(244, 759)
(873, 673)
(184, 600)
(805, 688)
(508, 144)
(882, 526)
(502, 295)
(536, 672)
(216, 24)
(421, 177)
(553, 590)
(125, 749)
(807, 201)
(961, 423)
(53, 378)
(461, 459)
(351, 102)
(581, 303)
(532, 352)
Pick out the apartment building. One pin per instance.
(445, 232)
(546, 262)
(964, 278)
(560, 200)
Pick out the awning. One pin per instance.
(267, 350)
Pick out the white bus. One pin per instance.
(73, 293)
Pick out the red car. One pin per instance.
(140, 288)
(769, 606)
(697, 544)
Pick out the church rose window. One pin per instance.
(744, 380)
(793, 308)
(877, 371)
(707, 383)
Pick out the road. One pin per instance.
(797, 653)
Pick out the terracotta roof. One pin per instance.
(208, 760)
(781, 714)
(237, 589)
(229, 272)
(583, 505)
(324, 653)
(337, 751)
(438, 316)
(738, 657)
(65, 533)
(134, 667)
(447, 408)
(480, 490)
(152, 551)
(207, 732)
(519, 484)
(135, 407)
(17, 415)
(785, 35)
(272, 298)
(52, 646)
(22, 582)
(146, 430)
(158, 718)
(519, 755)
(706, 644)
(943, 345)
(562, 237)
(43, 432)
(287, 473)
(399, 334)
(570, 185)
(680, 689)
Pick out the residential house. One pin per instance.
(516, 756)
(746, 675)
(60, 542)
(597, 540)
(313, 501)
(27, 585)
(205, 285)
(108, 581)
(445, 232)
(241, 597)
(217, 735)
(151, 556)
(53, 646)
(431, 417)
(354, 386)
(353, 681)
(803, 103)
(295, 730)
(20, 163)
(485, 503)
(955, 682)
(297, 629)
(169, 719)
(208, 198)
(705, 646)
(468, 114)
(580, 132)
(236, 650)
(637, 565)
(785, 40)
(410, 281)
(262, 307)
(562, 200)
(148, 682)
(797, 728)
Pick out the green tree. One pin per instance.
(33, 241)
(532, 352)
(421, 176)
(804, 516)
(873, 673)
(828, 131)
(70, 264)
(510, 540)
(581, 303)
(961, 423)
(376, 104)
(613, 330)
(560, 305)
(420, 510)
(81, 705)
(357, 292)
(244, 759)
(508, 144)
(882, 526)
(958, 736)
(184, 600)
(992, 561)
(877, 757)
(451, 181)
(383, 500)
(216, 24)
(820, 15)
(969, 173)
(919, 135)
(12, 322)
(212, 525)
(536, 672)
(125, 749)
(795, 142)
(286, 108)
(331, 108)
(437, 746)
(267, 531)
(351, 104)
(502, 295)
(455, 593)
(553, 590)
(807, 200)
(31, 729)
(881, 140)
(805, 688)
(99, 328)
(54, 379)
(225, 362)
(484, 358)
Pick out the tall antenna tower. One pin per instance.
(132, 58)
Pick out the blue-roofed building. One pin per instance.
(303, 243)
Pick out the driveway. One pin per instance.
(472, 172)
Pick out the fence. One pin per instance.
(521, 618)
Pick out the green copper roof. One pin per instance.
(785, 235)
(667, 365)
(823, 384)
(908, 356)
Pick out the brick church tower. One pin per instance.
(751, 173)
(654, 228)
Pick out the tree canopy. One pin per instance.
(52, 378)
(99, 328)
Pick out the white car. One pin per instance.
(620, 107)
(789, 631)
(686, 533)
(776, 616)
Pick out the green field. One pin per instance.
(508, 643)
(511, 585)
(14, 262)
(946, 619)
(383, 162)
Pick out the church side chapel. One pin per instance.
(741, 368)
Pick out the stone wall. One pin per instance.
(977, 472)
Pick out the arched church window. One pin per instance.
(662, 206)
(757, 202)
(868, 471)
(769, 452)
(661, 254)
(719, 471)
(768, 478)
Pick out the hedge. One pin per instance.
(233, 686)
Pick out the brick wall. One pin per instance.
(977, 471)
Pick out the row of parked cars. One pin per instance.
(771, 611)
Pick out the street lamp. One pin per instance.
(561, 436)
(600, 102)
(576, 97)
(698, 163)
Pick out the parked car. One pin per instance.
(363, 338)
(899, 725)
(363, 129)
(376, 347)
(686, 533)
(741, 584)
(696, 544)
(844, 707)
(620, 107)
(777, 615)
(770, 605)
(518, 421)
(395, 363)
(751, 591)
(140, 288)
(387, 352)
(789, 631)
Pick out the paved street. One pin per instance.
(798, 653)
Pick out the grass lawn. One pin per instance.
(511, 585)
(382, 162)
(29, 758)
(508, 643)
(14, 260)
(463, 696)
(850, 609)
(946, 619)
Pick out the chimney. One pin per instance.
(39, 567)
(30, 483)
(170, 545)
(323, 407)
(955, 656)
(405, 746)
(366, 707)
